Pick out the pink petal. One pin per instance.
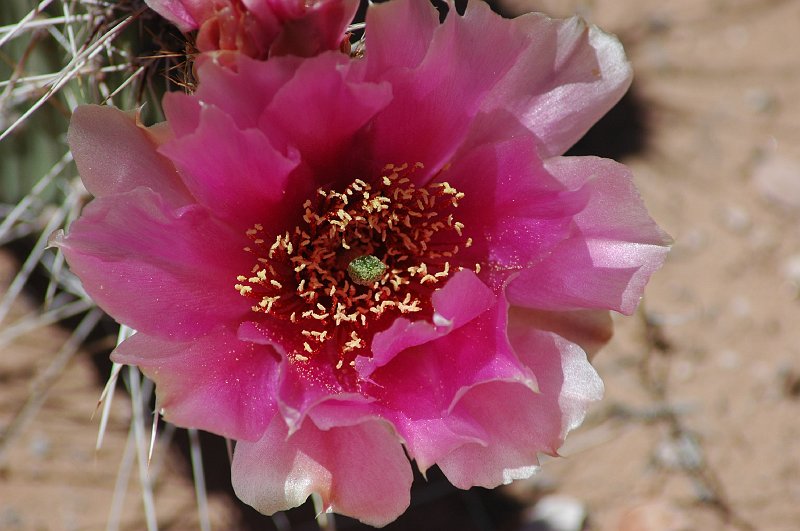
(167, 273)
(270, 11)
(399, 35)
(589, 329)
(513, 208)
(115, 154)
(419, 388)
(238, 378)
(568, 77)
(359, 471)
(615, 247)
(242, 90)
(519, 422)
(462, 299)
(334, 109)
(243, 179)
(176, 12)
(322, 27)
(432, 108)
(304, 386)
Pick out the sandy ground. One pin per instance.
(698, 427)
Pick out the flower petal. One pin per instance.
(462, 299)
(420, 386)
(243, 179)
(321, 27)
(321, 88)
(115, 154)
(214, 383)
(399, 35)
(519, 422)
(569, 75)
(167, 273)
(176, 12)
(231, 88)
(615, 247)
(513, 208)
(430, 102)
(589, 329)
(360, 471)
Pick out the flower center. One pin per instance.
(359, 257)
(366, 270)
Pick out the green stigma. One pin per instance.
(366, 270)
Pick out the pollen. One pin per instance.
(361, 256)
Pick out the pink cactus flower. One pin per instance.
(336, 261)
(261, 28)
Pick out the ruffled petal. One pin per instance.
(359, 471)
(520, 423)
(230, 87)
(514, 210)
(115, 154)
(242, 179)
(462, 299)
(321, 88)
(167, 273)
(435, 102)
(614, 249)
(419, 388)
(568, 76)
(214, 383)
(304, 385)
(589, 329)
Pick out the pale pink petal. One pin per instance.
(115, 154)
(359, 471)
(243, 179)
(521, 423)
(616, 210)
(168, 273)
(589, 329)
(615, 247)
(569, 75)
(214, 383)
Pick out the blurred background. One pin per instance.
(702, 407)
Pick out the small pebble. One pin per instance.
(736, 219)
(761, 100)
(777, 179)
(729, 359)
(682, 453)
(790, 269)
(556, 512)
